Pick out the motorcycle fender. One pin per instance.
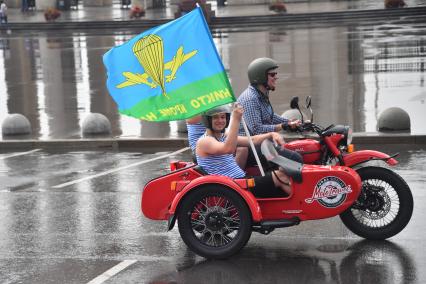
(363, 156)
(157, 195)
(248, 197)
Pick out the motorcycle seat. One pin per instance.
(292, 168)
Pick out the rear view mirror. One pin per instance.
(308, 101)
(294, 103)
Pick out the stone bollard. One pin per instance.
(390, 4)
(95, 124)
(292, 114)
(394, 119)
(16, 124)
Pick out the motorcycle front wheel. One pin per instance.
(383, 208)
(214, 221)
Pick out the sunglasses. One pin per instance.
(272, 74)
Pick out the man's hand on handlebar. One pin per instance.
(294, 124)
(305, 126)
(291, 125)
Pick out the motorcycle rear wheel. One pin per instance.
(384, 206)
(214, 221)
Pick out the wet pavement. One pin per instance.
(69, 217)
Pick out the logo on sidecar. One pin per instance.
(330, 192)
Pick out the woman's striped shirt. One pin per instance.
(195, 131)
(224, 165)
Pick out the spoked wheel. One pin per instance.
(384, 206)
(214, 221)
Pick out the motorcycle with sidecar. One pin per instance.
(216, 215)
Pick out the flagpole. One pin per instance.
(256, 156)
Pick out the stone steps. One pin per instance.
(361, 17)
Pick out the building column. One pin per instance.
(14, 4)
(247, 2)
(330, 75)
(44, 4)
(146, 4)
(100, 100)
(21, 87)
(97, 3)
(58, 94)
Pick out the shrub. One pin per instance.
(137, 12)
(278, 7)
(51, 14)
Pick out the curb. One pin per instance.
(380, 139)
(389, 138)
(87, 144)
(176, 143)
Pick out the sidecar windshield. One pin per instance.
(268, 150)
(290, 167)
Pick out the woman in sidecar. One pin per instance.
(215, 151)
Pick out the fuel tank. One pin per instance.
(310, 149)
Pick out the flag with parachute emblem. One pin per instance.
(170, 72)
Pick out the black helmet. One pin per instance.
(206, 118)
(258, 69)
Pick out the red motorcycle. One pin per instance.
(217, 214)
(385, 204)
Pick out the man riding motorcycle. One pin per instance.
(258, 112)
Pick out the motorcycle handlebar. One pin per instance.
(309, 126)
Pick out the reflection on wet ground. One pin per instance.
(353, 73)
(332, 262)
(71, 234)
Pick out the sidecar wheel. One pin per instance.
(384, 206)
(214, 221)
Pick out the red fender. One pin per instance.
(248, 197)
(365, 156)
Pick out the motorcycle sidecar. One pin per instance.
(216, 214)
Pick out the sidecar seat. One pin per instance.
(179, 165)
(290, 167)
(200, 170)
